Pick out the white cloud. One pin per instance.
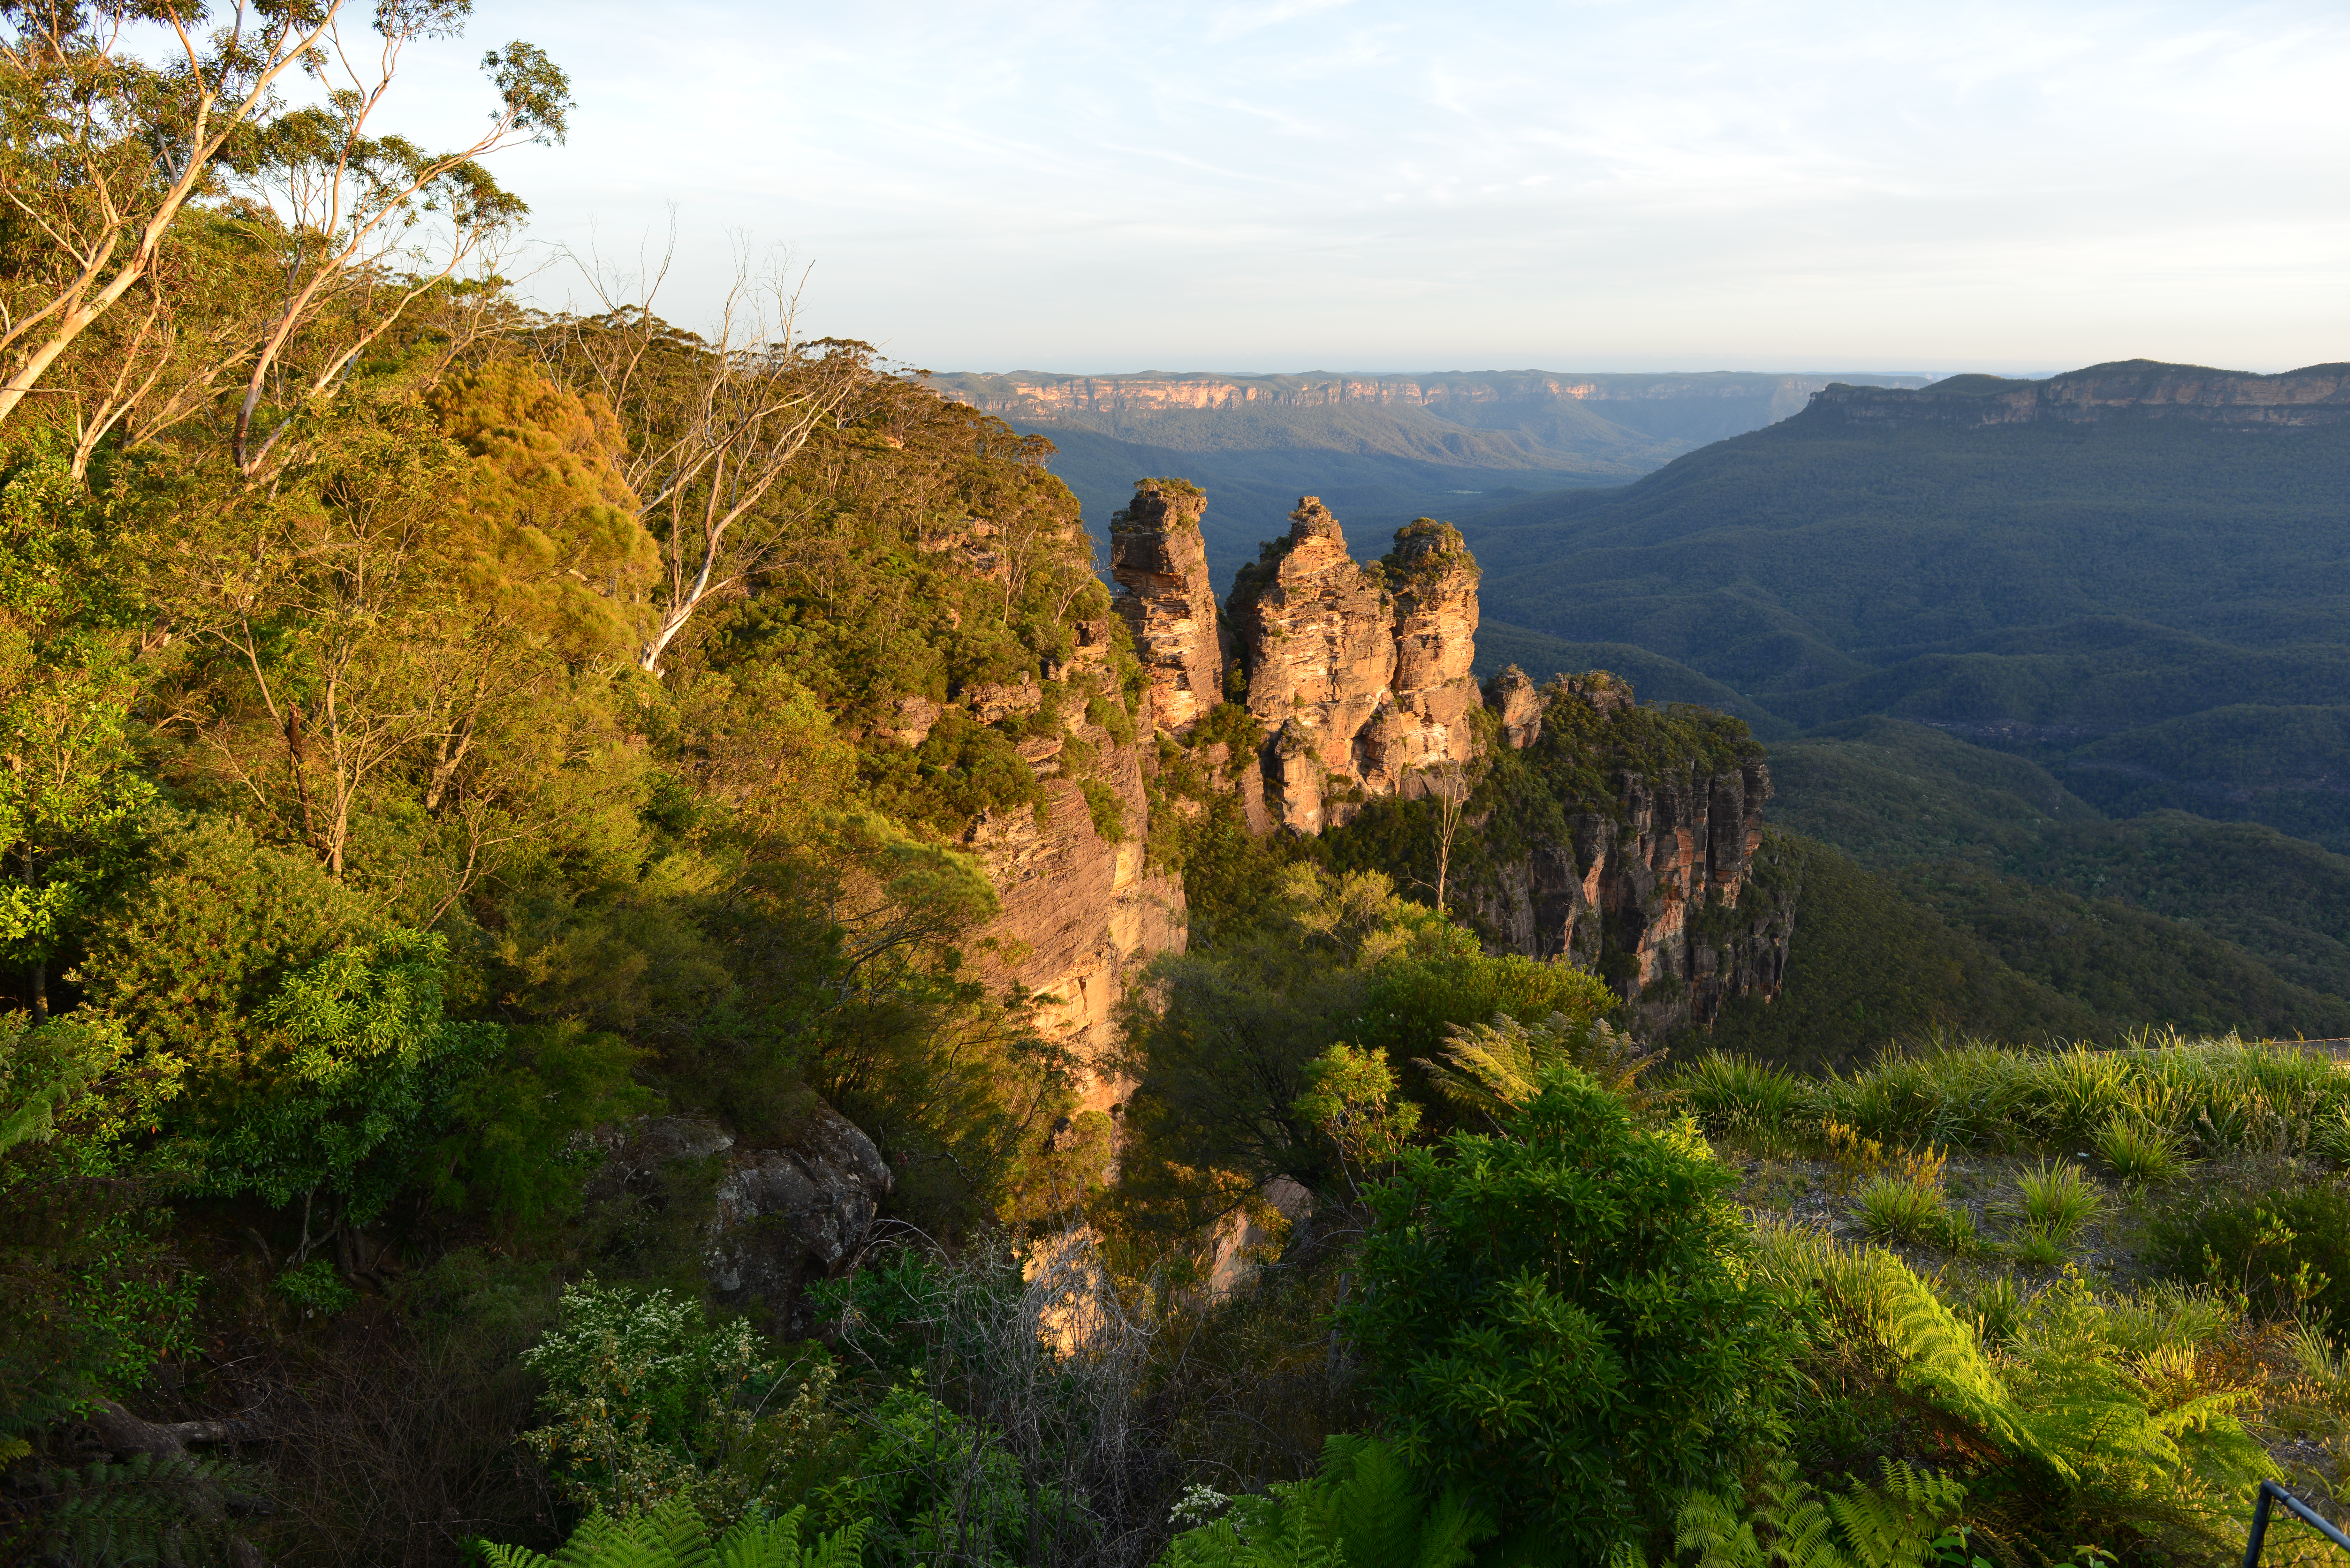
(1095, 186)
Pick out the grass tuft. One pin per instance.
(2058, 1200)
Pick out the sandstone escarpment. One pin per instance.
(1649, 884)
(1081, 911)
(2136, 389)
(1164, 592)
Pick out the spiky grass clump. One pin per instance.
(2058, 1200)
(1740, 1097)
(2139, 1153)
(1892, 1209)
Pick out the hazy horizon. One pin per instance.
(1656, 188)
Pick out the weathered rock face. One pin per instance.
(1164, 592)
(780, 1217)
(1081, 916)
(1651, 887)
(1424, 724)
(800, 1212)
(2141, 389)
(1081, 913)
(1317, 636)
(1513, 697)
(1359, 676)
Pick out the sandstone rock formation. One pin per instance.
(1081, 916)
(1359, 676)
(1651, 888)
(1316, 637)
(1081, 911)
(1513, 697)
(1424, 724)
(1164, 592)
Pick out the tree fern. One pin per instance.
(673, 1536)
(1496, 1067)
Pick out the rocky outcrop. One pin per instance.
(1650, 884)
(1081, 915)
(779, 1218)
(1081, 911)
(791, 1214)
(1423, 723)
(1517, 704)
(1316, 637)
(2140, 388)
(1358, 676)
(1164, 593)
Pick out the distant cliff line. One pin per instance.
(2144, 388)
(1044, 394)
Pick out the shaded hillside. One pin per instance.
(1943, 884)
(2143, 586)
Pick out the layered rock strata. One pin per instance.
(1164, 593)
(1358, 676)
(1650, 885)
(1081, 913)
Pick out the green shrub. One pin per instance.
(354, 1073)
(1558, 1320)
(1106, 810)
(2058, 1200)
(649, 1406)
(940, 1488)
(2287, 1252)
(316, 1288)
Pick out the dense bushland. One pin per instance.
(442, 738)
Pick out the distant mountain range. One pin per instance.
(2063, 664)
(1378, 449)
(2137, 574)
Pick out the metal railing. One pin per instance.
(2272, 1492)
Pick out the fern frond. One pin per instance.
(674, 1537)
(1895, 1524)
(1710, 1527)
(499, 1555)
(147, 1509)
(844, 1548)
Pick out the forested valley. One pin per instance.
(614, 950)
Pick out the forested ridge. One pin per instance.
(512, 1044)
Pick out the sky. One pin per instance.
(1320, 184)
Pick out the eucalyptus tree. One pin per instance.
(111, 162)
(715, 424)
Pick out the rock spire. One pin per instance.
(1160, 565)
